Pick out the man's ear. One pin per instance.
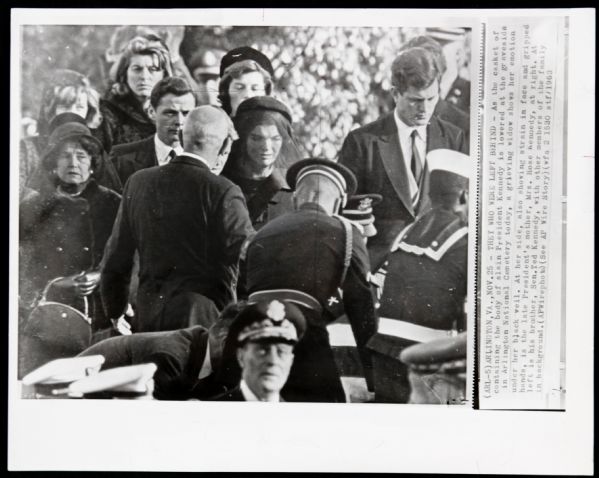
(152, 113)
(464, 197)
(239, 353)
(225, 149)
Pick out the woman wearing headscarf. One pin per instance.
(63, 231)
(67, 96)
(143, 63)
(258, 159)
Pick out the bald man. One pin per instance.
(188, 225)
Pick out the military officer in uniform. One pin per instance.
(263, 336)
(308, 256)
(426, 273)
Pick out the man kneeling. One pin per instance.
(263, 337)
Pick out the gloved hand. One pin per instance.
(81, 285)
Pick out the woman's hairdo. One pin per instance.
(415, 67)
(141, 46)
(236, 71)
(62, 89)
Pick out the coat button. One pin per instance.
(59, 249)
(86, 248)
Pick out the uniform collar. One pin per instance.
(191, 159)
(312, 206)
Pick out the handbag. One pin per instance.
(61, 327)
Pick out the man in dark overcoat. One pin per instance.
(388, 155)
(313, 257)
(188, 225)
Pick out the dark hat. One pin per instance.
(245, 53)
(359, 209)
(272, 320)
(206, 61)
(263, 103)
(65, 132)
(342, 176)
(68, 117)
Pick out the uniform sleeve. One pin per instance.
(359, 302)
(117, 264)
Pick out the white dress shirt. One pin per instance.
(405, 142)
(163, 151)
(249, 395)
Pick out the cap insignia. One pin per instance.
(365, 204)
(275, 311)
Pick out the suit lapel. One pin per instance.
(147, 155)
(394, 163)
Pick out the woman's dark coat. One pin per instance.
(62, 236)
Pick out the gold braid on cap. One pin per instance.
(274, 325)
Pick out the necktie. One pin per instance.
(416, 163)
(171, 155)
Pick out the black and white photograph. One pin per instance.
(345, 217)
(264, 213)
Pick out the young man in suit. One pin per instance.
(170, 102)
(188, 225)
(388, 155)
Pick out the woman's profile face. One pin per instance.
(246, 86)
(264, 145)
(143, 73)
(73, 164)
(79, 107)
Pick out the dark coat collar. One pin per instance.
(188, 160)
(312, 206)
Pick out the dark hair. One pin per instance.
(415, 67)
(170, 85)
(141, 46)
(236, 71)
(430, 44)
(87, 144)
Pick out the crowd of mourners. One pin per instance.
(175, 220)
